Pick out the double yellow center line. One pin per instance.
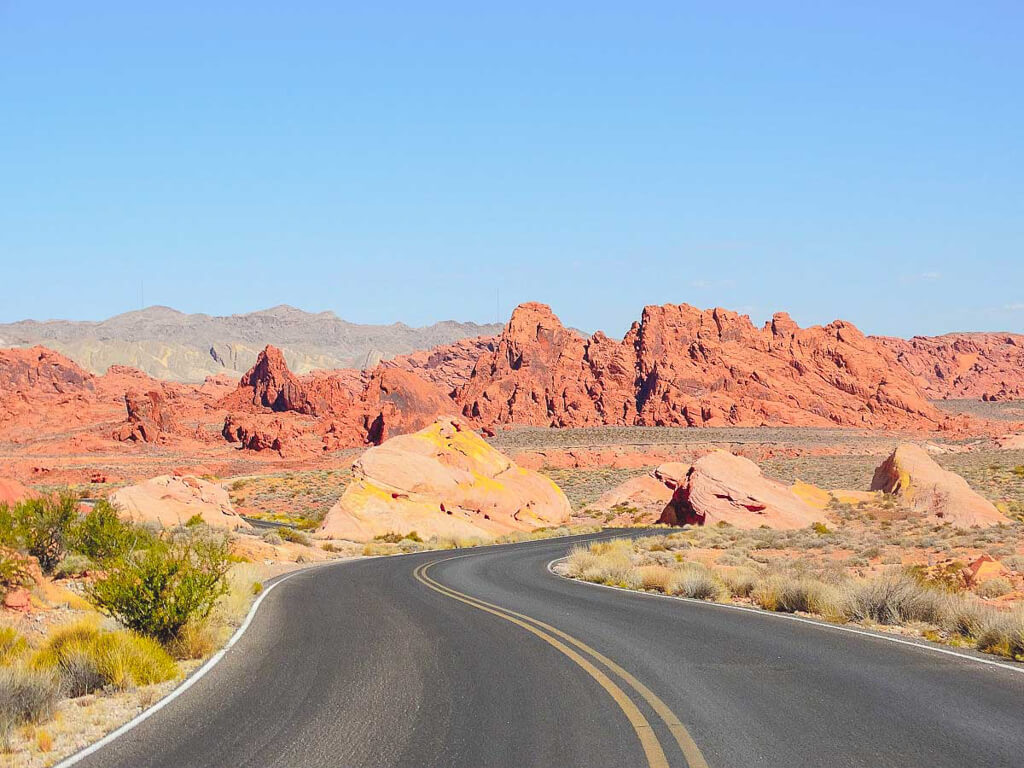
(585, 656)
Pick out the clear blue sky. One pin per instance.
(403, 161)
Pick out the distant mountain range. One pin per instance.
(175, 346)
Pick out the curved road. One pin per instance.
(484, 658)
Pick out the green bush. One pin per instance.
(13, 571)
(45, 526)
(102, 536)
(159, 590)
(8, 527)
(195, 520)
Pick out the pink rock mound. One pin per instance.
(636, 501)
(444, 480)
(722, 487)
(11, 491)
(911, 474)
(170, 501)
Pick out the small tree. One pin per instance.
(44, 526)
(102, 536)
(159, 590)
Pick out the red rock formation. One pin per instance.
(448, 366)
(989, 366)
(257, 432)
(270, 384)
(683, 366)
(398, 402)
(148, 417)
(540, 373)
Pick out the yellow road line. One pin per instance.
(690, 750)
(648, 740)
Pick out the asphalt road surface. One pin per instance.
(484, 658)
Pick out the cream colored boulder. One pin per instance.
(444, 480)
(912, 475)
(170, 500)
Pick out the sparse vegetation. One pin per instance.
(26, 696)
(893, 597)
(84, 658)
(158, 591)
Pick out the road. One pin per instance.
(396, 662)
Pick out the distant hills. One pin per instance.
(175, 346)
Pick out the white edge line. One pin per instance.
(791, 617)
(188, 683)
(212, 661)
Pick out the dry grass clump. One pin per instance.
(1004, 635)
(26, 696)
(12, 646)
(696, 582)
(85, 658)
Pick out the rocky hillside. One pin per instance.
(987, 366)
(171, 345)
(680, 365)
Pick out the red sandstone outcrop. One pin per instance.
(449, 366)
(912, 475)
(442, 481)
(684, 366)
(722, 487)
(397, 402)
(987, 366)
(270, 384)
(259, 432)
(149, 418)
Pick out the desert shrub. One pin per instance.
(12, 646)
(8, 526)
(26, 696)
(1015, 563)
(13, 571)
(196, 640)
(158, 591)
(1003, 634)
(820, 528)
(103, 536)
(273, 538)
(697, 583)
(996, 587)
(895, 598)
(739, 582)
(580, 559)
(45, 525)
(655, 577)
(73, 564)
(298, 537)
(85, 659)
